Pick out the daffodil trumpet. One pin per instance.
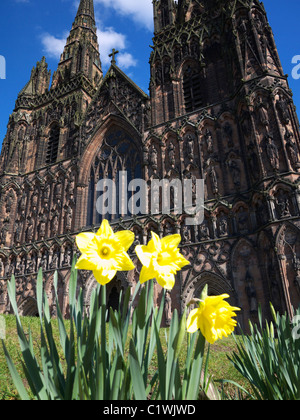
(214, 317)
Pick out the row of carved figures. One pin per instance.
(31, 263)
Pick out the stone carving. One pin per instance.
(209, 141)
(235, 171)
(292, 150)
(171, 155)
(251, 292)
(189, 147)
(282, 205)
(199, 121)
(263, 116)
(283, 110)
(153, 158)
(272, 152)
(29, 231)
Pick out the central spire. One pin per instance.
(81, 53)
(86, 7)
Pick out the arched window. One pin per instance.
(52, 150)
(118, 153)
(192, 88)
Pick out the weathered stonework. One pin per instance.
(219, 109)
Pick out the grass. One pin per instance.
(219, 366)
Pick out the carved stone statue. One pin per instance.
(213, 178)
(153, 157)
(209, 141)
(204, 230)
(171, 155)
(69, 218)
(283, 205)
(223, 225)
(54, 224)
(292, 150)
(68, 257)
(283, 110)
(190, 147)
(272, 153)
(251, 292)
(17, 231)
(29, 231)
(42, 228)
(235, 171)
(263, 113)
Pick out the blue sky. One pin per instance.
(30, 29)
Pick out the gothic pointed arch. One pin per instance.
(115, 154)
(217, 285)
(53, 143)
(28, 307)
(288, 251)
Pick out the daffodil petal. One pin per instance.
(166, 281)
(83, 240)
(181, 261)
(104, 276)
(192, 321)
(126, 264)
(156, 242)
(171, 241)
(146, 274)
(144, 255)
(126, 238)
(84, 263)
(105, 230)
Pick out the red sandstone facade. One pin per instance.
(219, 109)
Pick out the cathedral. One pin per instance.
(219, 108)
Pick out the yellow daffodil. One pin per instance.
(161, 260)
(105, 252)
(213, 317)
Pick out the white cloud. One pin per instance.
(108, 39)
(141, 11)
(126, 60)
(53, 46)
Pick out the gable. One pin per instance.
(119, 96)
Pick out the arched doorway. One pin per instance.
(113, 290)
(217, 285)
(28, 308)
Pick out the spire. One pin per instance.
(86, 7)
(81, 53)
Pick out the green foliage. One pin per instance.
(99, 360)
(269, 358)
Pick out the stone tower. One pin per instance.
(219, 109)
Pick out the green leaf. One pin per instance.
(15, 376)
(136, 374)
(196, 369)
